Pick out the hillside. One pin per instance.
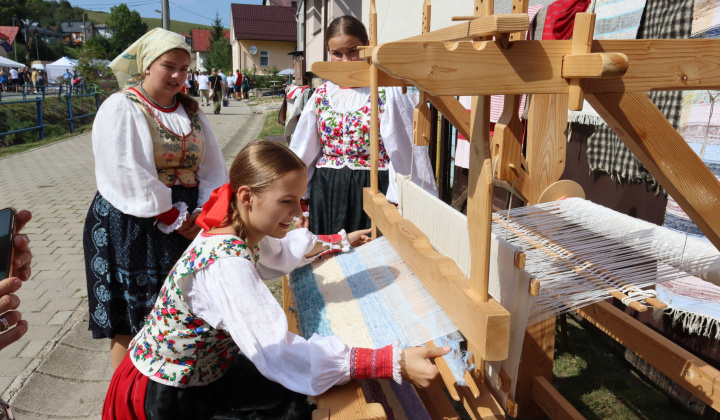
(175, 26)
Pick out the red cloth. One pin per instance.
(169, 217)
(560, 18)
(215, 210)
(371, 364)
(125, 399)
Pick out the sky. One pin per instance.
(195, 11)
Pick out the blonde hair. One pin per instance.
(259, 165)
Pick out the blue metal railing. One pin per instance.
(71, 118)
(15, 93)
(40, 126)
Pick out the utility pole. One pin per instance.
(166, 14)
(84, 30)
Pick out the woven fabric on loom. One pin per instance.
(606, 152)
(369, 297)
(693, 302)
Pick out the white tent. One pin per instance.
(6, 62)
(57, 69)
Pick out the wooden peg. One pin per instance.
(535, 287)
(581, 44)
(446, 374)
(594, 65)
(463, 18)
(519, 260)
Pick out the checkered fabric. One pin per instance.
(606, 152)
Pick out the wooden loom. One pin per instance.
(613, 76)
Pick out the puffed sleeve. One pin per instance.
(396, 125)
(230, 295)
(124, 164)
(281, 256)
(212, 171)
(306, 140)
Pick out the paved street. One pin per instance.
(56, 371)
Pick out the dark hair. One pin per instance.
(259, 165)
(347, 25)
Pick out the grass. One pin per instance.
(271, 126)
(600, 384)
(175, 25)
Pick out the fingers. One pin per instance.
(433, 352)
(8, 301)
(23, 217)
(13, 334)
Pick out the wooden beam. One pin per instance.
(689, 371)
(483, 407)
(536, 360)
(508, 140)
(479, 27)
(346, 402)
(581, 44)
(486, 324)
(352, 74)
(553, 404)
(436, 402)
(664, 153)
(454, 111)
(485, 68)
(594, 65)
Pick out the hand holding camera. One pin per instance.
(15, 260)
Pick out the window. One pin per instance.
(264, 58)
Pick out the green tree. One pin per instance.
(219, 53)
(127, 27)
(91, 61)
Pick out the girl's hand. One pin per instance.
(359, 237)
(189, 229)
(415, 366)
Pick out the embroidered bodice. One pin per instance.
(176, 347)
(177, 156)
(345, 137)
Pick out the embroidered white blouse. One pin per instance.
(124, 164)
(396, 125)
(230, 294)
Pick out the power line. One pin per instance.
(204, 17)
(142, 3)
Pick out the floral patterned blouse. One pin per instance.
(345, 137)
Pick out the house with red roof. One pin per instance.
(200, 42)
(7, 39)
(262, 36)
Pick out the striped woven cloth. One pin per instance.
(695, 303)
(370, 298)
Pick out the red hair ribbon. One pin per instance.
(215, 210)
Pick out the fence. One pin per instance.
(69, 96)
(20, 93)
(40, 126)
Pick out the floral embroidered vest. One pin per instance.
(176, 156)
(345, 137)
(175, 347)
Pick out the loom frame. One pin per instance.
(559, 74)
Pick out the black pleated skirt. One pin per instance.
(242, 393)
(126, 261)
(336, 200)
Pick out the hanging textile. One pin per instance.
(606, 152)
(560, 18)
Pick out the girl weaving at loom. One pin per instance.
(186, 361)
(156, 162)
(333, 139)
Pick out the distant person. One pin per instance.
(33, 78)
(14, 79)
(4, 79)
(231, 86)
(224, 78)
(204, 87)
(245, 87)
(40, 82)
(67, 77)
(217, 91)
(238, 85)
(12, 326)
(156, 163)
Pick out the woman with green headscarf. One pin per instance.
(156, 163)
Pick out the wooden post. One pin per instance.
(374, 116)
(421, 114)
(581, 44)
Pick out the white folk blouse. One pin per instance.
(230, 294)
(124, 164)
(396, 125)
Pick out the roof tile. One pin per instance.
(264, 23)
(201, 39)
